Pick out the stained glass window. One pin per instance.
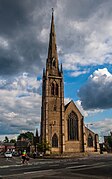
(73, 126)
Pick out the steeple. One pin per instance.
(52, 111)
(52, 60)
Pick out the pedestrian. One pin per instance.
(23, 156)
(34, 155)
(27, 159)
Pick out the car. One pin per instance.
(8, 154)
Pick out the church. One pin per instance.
(62, 126)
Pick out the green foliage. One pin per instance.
(26, 135)
(6, 140)
(13, 141)
(43, 147)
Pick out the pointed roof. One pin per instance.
(67, 104)
(52, 50)
(86, 128)
(72, 102)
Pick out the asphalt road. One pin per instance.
(98, 167)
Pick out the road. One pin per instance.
(98, 167)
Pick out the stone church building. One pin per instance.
(62, 126)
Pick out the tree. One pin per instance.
(43, 147)
(13, 141)
(6, 140)
(27, 135)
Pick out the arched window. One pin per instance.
(73, 126)
(90, 141)
(52, 88)
(56, 89)
(55, 140)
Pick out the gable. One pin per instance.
(72, 107)
(89, 131)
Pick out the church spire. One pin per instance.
(52, 59)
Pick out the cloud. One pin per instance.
(24, 34)
(87, 113)
(26, 113)
(88, 40)
(10, 136)
(102, 128)
(77, 73)
(83, 112)
(66, 100)
(21, 104)
(97, 92)
(24, 83)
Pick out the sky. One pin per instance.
(84, 43)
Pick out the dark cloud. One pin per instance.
(81, 9)
(97, 92)
(21, 47)
(15, 14)
(11, 14)
(24, 35)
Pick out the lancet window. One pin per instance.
(55, 140)
(90, 141)
(54, 89)
(73, 126)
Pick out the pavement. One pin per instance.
(17, 161)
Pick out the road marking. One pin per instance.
(49, 170)
(96, 164)
(6, 166)
(25, 173)
(72, 163)
(87, 167)
(80, 166)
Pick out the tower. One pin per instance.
(52, 111)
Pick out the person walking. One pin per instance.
(23, 156)
(34, 155)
